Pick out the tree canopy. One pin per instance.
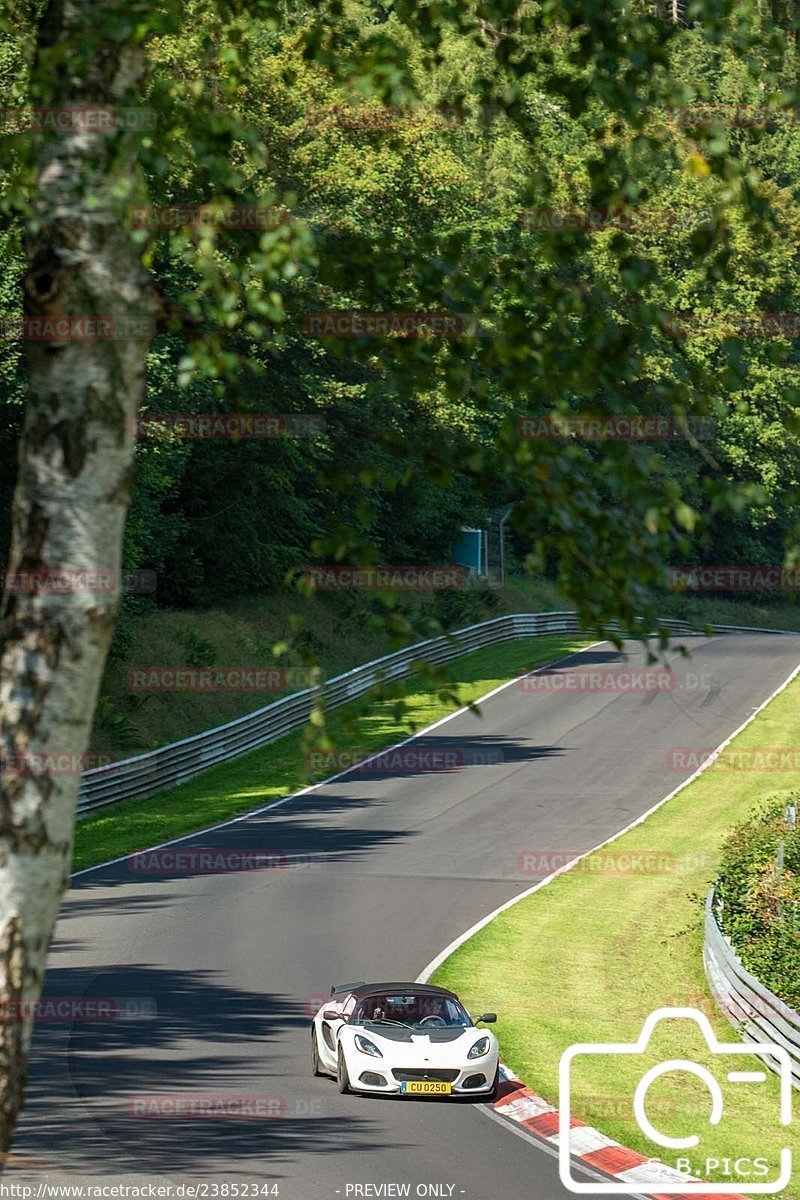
(420, 159)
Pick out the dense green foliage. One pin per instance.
(549, 105)
(760, 902)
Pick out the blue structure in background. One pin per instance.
(469, 551)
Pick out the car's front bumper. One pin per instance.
(476, 1079)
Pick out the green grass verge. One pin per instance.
(588, 957)
(278, 769)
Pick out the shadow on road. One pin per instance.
(301, 834)
(207, 1042)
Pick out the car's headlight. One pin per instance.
(480, 1048)
(367, 1047)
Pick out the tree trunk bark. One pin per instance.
(72, 489)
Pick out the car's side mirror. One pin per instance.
(331, 1014)
(488, 1018)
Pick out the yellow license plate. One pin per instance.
(427, 1087)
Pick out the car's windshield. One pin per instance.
(414, 1010)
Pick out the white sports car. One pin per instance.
(403, 1038)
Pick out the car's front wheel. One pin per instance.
(492, 1095)
(316, 1066)
(342, 1078)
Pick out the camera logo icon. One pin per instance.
(739, 1065)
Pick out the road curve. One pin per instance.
(382, 871)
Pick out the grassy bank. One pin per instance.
(338, 630)
(589, 956)
(279, 769)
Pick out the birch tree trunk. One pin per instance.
(72, 491)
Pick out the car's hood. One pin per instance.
(422, 1037)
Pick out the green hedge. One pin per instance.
(761, 906)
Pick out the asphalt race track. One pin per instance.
(380, 873)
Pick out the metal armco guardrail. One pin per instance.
(146, 774)
(753, 1010)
